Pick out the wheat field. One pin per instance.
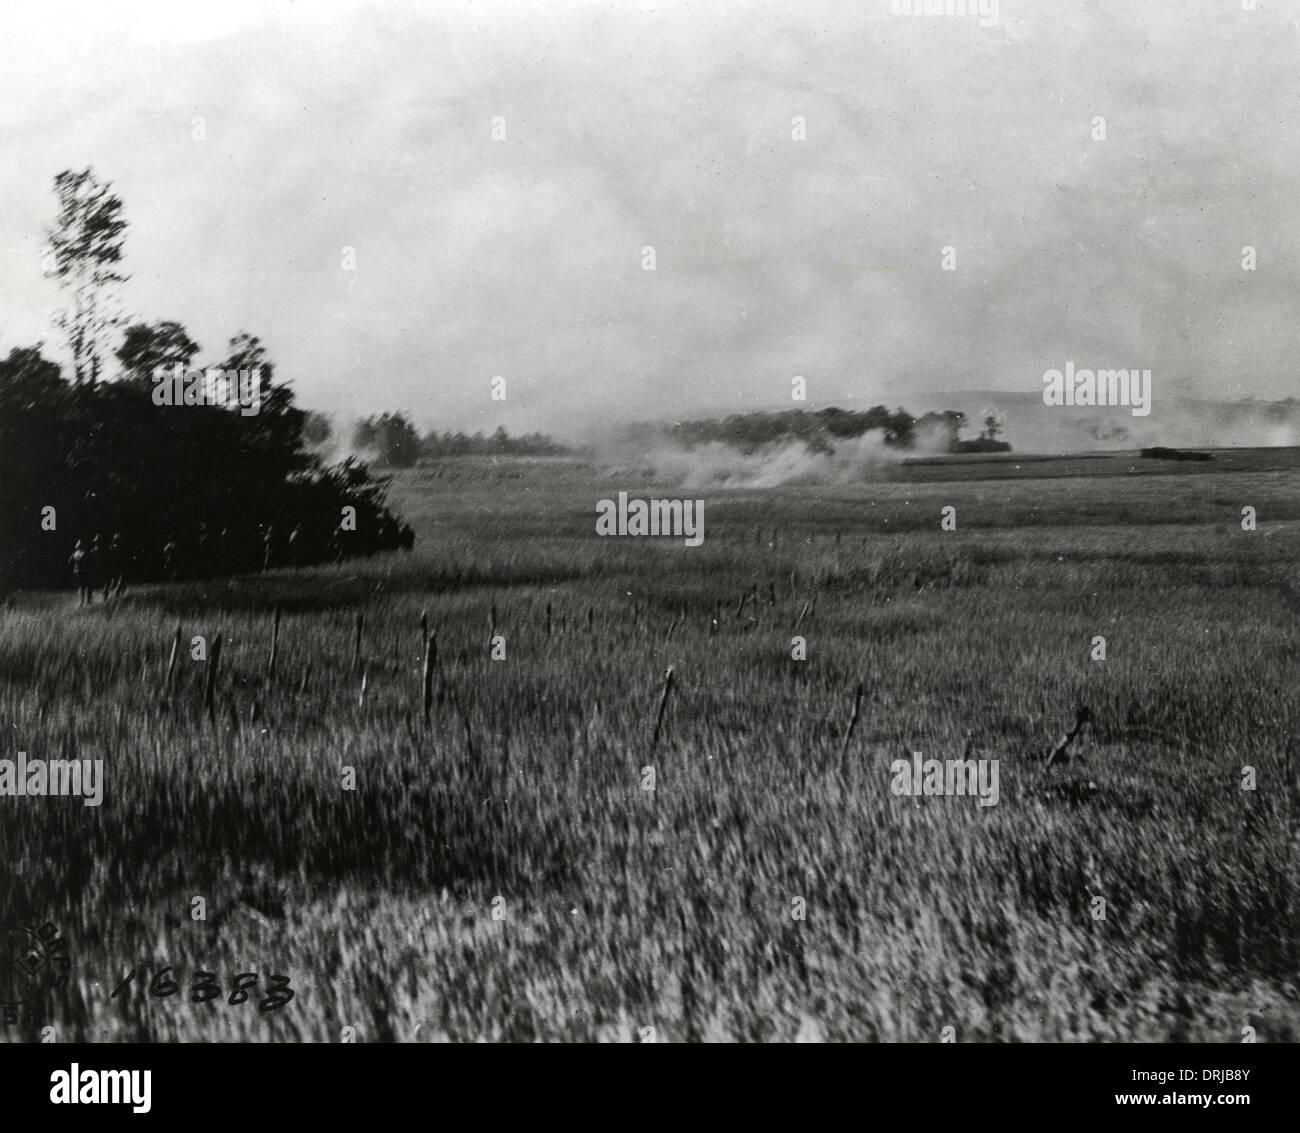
(499, 870)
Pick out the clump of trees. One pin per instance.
(189, 490)
(392, 438)
(987, 441)
(499, 443)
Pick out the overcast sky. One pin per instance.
(628, 125)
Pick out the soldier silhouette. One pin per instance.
(116, 566)
(93, 566)
(78, 562)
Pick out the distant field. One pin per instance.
(622, 909)
(1126, 462)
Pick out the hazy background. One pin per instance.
(331, 125)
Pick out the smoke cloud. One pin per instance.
(1032, 427)
(327, 177)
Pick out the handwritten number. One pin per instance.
(123, 985)
(243, 981)
(205, 987)
(278, 995)
(163, 987)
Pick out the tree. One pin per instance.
(33, 406)
(941, 430)
(210, 488)
(317, 429)
(992, 426)
(366, 434)
(146, 350)
(105, 459)
(900, 431)
(877, 417)
(85, 244)
(393, 435)
(274, 435)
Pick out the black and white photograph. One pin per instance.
(650, 521)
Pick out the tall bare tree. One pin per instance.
(86, 243)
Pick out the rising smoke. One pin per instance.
(1031, 427)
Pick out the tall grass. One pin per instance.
(622, 908)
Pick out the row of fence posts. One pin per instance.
(430, 665)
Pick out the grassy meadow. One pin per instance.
(499, 872)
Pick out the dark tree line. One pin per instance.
(749, 432)
(396, 444)
(500, 443)
(173, 490)
(190, 490)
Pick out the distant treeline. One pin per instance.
(393, 440)
(499, 443)
(749, 432)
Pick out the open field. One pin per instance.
(1127, 462)
(499, 872)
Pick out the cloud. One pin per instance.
(370, 127)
